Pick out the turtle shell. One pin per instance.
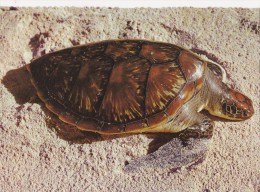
(119, 85)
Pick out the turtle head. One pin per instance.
(225, 102)
(236, 106)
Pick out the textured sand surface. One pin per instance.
(39, 153)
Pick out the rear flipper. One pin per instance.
(187, 148)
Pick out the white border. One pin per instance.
(132, 3)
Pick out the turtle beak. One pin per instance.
(249, 112)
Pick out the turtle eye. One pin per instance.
(230, 109)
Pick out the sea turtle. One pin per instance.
(136, 86)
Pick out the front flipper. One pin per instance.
(187, 148)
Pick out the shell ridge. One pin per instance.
(140, 49)
(145, 89)
(69, 92)
(180, 67)
(105, 89)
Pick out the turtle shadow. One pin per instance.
(17, 82)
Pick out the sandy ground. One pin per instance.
(40, 153)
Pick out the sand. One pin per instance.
(40, 153)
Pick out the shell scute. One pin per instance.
(164, 83)
(122, 50)
(187, 92)
(174, 106)
(89, 85)
(159, 118)
(124, 97)
(199, 83)
(87, 124)
(192, 67)
(90, 51)
(159, 52)
(139, 125)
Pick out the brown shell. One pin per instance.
(117, 86)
